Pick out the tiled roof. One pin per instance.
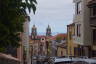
(63, 35)
(41, 36)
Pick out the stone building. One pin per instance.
(92, 20)
(25, 43)
(84, 26)
(39, 43)
(48, 31)
(58, 45)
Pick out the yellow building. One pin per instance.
(70, 39)
(61, 50)
(61, 45)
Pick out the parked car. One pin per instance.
(80, 62)
(85, 57)
(74, 61)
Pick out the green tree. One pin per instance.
(58, 39)
(12, 17)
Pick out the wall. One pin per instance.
(83, 19)
(61, 52)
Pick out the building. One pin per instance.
(25, 42)
(59, 45)
(70, 40)
(39, 44)
(34, 45)
(20, 51)
(40, 40)
(48, 31)
(92, 6)
(84, 27)
(62, 50)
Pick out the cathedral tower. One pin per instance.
(34, 31)
(48, 31)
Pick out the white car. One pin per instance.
(74, 60)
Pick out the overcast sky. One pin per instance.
(56, 13)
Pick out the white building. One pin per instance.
(25, 40)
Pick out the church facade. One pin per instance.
(38, 43)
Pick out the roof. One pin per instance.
(41, 36)
(72, 24)
(62, 35)
(63, 45)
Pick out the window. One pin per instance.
(94, 11)
(69, 32)
(64, 38)
(94, 36)
(42, 38)
(78, 29)
(70, 36)
(78, 7)
(94, 53)
(73, 32)
(61, 53)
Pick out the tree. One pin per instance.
(58, 39)
(12, 17)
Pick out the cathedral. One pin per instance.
(38, 43)
(34, 31)
(48, 31)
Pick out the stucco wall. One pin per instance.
(83, 19)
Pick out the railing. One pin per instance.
(7, 59)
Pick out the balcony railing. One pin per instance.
(7, 59)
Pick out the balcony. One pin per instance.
(91, 3)
(93, 21)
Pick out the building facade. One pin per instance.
(62, 50)
(60, 46)
(39, 44)
(83, 28)
(25, 41)
(92, 7)
(70, 40)
(48, 31)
